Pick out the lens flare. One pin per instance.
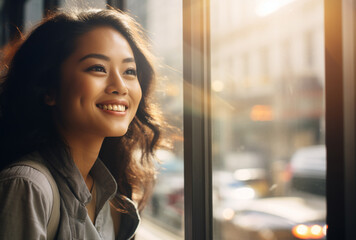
(315, 231)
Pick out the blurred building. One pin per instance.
(163, 25)
(267, 77)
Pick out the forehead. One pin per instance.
(105, 40)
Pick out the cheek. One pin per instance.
(140, 94)
(138, 97)
(78, 89)
(136, 93)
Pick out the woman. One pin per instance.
(75, 96)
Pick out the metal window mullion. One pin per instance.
(13, 19)
(334, 120)
(197, 123)
(49, 6)
(120, 4)
(349, 102)
(340, 60)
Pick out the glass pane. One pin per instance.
(268, 121)
(33, 13)
(162, 20)
(82, 4)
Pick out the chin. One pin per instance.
(118, 133)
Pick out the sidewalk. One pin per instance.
(151, 231)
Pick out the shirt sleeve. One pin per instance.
(25, 203)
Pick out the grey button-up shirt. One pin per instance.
(26, 203)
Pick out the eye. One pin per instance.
(97, 68)
(131, 71)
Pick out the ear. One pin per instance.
(50, 100)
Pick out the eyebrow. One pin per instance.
(128, 60)
(95, 55)
(103, 57)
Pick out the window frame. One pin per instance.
(349, 87)
(49, 5)
(120, 4)
(340, 117)
(197, 120)
(12, 19)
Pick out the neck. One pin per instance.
(84, 148)
(85, 152)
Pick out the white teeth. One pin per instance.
(121, 108)
(113, 107)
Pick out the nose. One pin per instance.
(116, 84)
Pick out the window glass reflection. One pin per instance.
(268, 121)
(70, 4)
(162, 20)
(33, 13)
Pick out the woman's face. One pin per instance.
(100, 92)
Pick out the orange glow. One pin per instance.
(302, 231)
(316, 231)
(261, 113)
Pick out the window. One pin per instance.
(296, 80)
(269, 157)
(32, 13)
(162, 20)
(82, 4)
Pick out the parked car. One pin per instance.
(166, 207)
(300, 214)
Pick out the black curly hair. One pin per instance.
(33, 71)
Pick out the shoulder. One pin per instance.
(22, 177)
(25, 202)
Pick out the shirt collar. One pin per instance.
(106, 184)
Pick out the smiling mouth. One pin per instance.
(112, 107)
